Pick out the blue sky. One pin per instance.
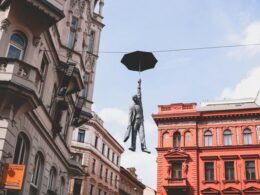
(190, 76)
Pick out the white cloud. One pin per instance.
(114, 115)
(251, 35)
(247, 87)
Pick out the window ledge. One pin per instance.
(230, 181)
(251, 181)
(213, 181)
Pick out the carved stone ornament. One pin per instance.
(36, 41)
(4, 24)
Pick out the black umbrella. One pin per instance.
(139, 61)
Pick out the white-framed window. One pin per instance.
(52, 179)
(227, 137)
(17, 45)
(37, 173)
(247, 136)
(72, 33)
(21, 150)
(208, 138)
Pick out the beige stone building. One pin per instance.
(129, 182)
(48, 52)
(101, 158)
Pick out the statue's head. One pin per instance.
(135, 99)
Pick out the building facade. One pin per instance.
(213, 149)
(47, 67)
(101, 155)
(129, 182)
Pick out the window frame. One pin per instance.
(227, 137)
(208, 138)
(250, 168)
(177, 136)
(81, 136)
(229, 176)
(37, 171)
(211, 170)
(21, 48)
(247, 137)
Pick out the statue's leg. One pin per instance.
(134, 134)
(142, 136)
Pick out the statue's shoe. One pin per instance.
(132, 149)
(147, 151)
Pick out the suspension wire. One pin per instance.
(167, 50)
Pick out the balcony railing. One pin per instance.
(20, 74)
(181, 182)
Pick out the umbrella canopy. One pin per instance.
(139, 61)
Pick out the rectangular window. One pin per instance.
(91, 189)
(250, 170)
(177, 170)
(113, 156)
(116, 182)
(81, 136)
(117, 161)
(229, 171)
(96, 141)
(93, 165)
(111, 178)
(91, 42)
(101, 171)
(108, 153)
(72, 33)
(99, 191)
(106, 175)
(209, 171)
(103, 148)
(77, 186)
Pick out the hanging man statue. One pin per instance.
(136, 122)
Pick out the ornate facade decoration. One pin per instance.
(4, 24)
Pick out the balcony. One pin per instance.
(19, 85)
(176, 183)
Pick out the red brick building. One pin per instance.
(209, 150)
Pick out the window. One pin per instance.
(101, 171)
(91, 42)
(116, 182)
(227, 137)
(187, 138)
(229, 171)
(177, 170)
(93, 165)
(165, 140)
(247, 136)
(176, 139)
(17, 46)
(62, 185)
(111, 178)
(37, 173)
(106, 175)
(105, 193)
(108, 153)
(99, 191)
(117, 161)
(103, 148)
(77, 186)
(44, 65)
(72, 33)
(21, 150)
(96, 141)
(113, 157)
(209, 171)
(52, 179)
(81, 136)
(208, 138)
(250, 170)
(91, 189)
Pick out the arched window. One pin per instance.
(177, 139)
(17, 46)
(227, 137)
(22, 149)
(247, 136)
(62, 185)
(187, 138)
(208, 138)
(165, 140)
(52, 179)
(37, 173)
